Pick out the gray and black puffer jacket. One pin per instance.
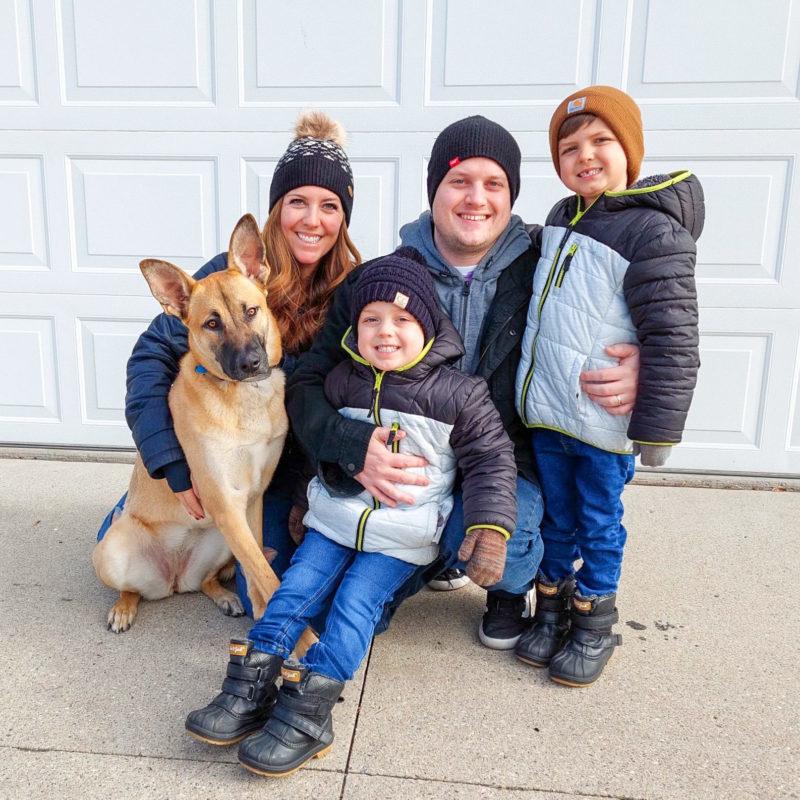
(450, 420)
(621, 270)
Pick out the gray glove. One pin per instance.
(652, 455)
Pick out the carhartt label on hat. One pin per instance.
(401, 300)
(578, 104)
(454, 162)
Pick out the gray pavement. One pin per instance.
(702, 701)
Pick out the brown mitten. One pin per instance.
(484, 551)
(296, 528)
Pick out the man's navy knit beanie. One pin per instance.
(474, 137)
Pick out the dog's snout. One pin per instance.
(243, 363)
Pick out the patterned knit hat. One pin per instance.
(315, 158)
(617, 109)
(474, 137)
(401, 278)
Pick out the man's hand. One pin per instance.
(614, 388)
(484, 551)
(383, 470)
(296, 528)
(191, 502)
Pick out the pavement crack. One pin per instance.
(355, 722)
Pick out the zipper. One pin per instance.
(394, 445)
(545, 291)
(562, 273)
(465, 303)
(375, 410)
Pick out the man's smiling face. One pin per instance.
(470, 210)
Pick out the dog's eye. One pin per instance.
(212, 324)
(251, 312)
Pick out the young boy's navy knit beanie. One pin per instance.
(401, 278)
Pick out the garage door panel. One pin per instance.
(17, 77)
(736, 368)
(675, 51)
(318, 57)
(28, 345)
(23, 243)
(132, 53)
(740, 417)
(548, 50)
(105, 346)
(125, 207)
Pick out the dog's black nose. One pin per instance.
(249, 363)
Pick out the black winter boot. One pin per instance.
(247, 697)
(550, 622)
(300, 727)
(589, 643)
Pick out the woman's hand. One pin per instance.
(614, 388)
(191, 502)
(383, 470)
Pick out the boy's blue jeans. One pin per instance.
(523, 553)
(360, 584)
(582, 487)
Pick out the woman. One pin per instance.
(310, 252)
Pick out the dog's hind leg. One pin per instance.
(226, 601)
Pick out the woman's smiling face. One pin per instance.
(311, 218)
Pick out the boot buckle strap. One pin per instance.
(546, 615)
(304, 705)
(301, 723)
(594, 623)
(246, 690)
(594, 639)
(243, 673)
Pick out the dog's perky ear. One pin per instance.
(247, 252)
(170, 285)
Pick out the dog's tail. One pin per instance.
(319, 126)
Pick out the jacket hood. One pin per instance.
(445, 347)
(511, 244)
(677, 194)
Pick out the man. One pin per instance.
(482, 260)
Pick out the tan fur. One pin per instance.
(320, 126)
(232, 433)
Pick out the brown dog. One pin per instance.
(227, 406)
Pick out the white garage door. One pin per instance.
(145, 128)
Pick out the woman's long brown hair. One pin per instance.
(300, 310)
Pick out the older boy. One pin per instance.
(617, 264)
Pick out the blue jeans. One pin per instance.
(523, 554)
(582, 487)
(360, 584)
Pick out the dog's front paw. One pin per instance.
(230, 605)
(121, 617)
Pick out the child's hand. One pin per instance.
(484, 551)
(296, 528)
(653, 455)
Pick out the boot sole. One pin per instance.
(572, 684)
(222, 742)
(537, 664)
(265, 774)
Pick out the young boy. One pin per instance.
(357, 549)
(617, 264)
